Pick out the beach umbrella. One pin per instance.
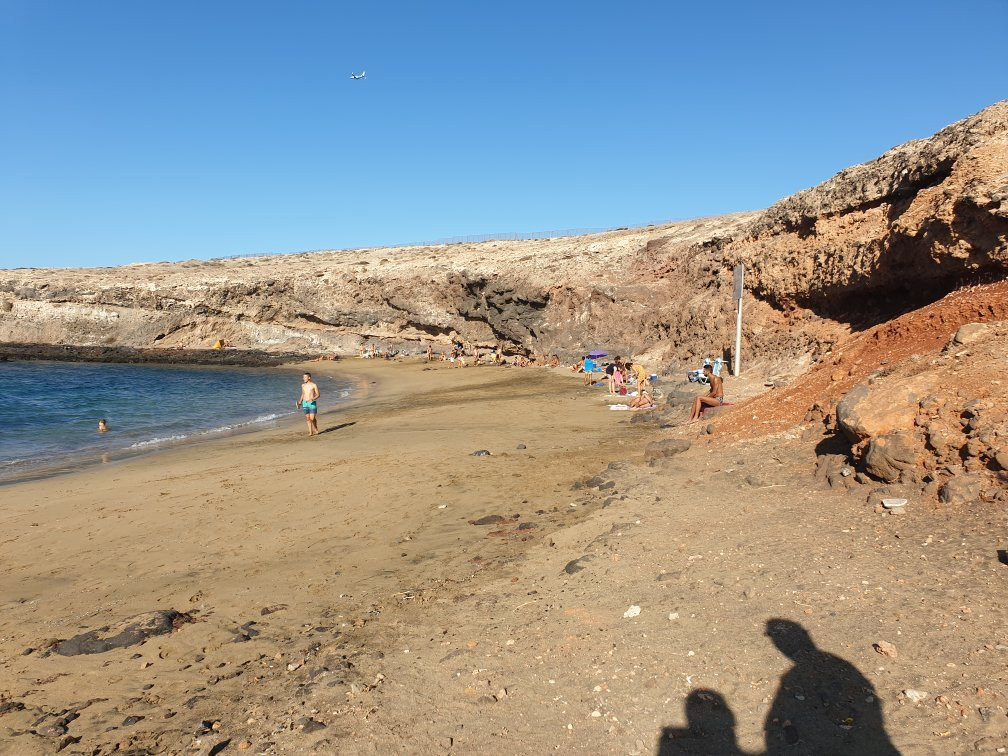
(598, 353)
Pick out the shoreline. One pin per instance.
(84, 460)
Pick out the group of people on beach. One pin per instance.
(620, 375)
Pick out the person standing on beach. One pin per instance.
(309, 402)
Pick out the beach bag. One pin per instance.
(622, 390)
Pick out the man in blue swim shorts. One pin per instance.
(308, 402)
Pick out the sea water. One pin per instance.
(49, 411)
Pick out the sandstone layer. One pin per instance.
(875, 240)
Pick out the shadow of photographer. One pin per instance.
(823, 705)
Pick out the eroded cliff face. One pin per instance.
(896, 232)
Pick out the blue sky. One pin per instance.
(135, 131)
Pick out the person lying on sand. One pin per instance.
(715, 398)
(643, 400)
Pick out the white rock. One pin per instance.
(915, 695)
(633, 611)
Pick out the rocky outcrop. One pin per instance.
(940, 427)
(913, 223)
(875, 239)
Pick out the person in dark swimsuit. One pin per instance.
(714, 398)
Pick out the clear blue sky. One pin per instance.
(133, 131)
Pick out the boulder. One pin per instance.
(969, 333)
(962, 489)
(667, 448)
(891, 454)
(1000, 458)
(868, 411)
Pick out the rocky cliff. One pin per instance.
(874, 240)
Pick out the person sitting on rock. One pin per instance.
(714, 398)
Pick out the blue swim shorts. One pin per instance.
(310, 408)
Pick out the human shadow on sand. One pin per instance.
(341, 426)
(823, 706)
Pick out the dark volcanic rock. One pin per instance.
(127, 633)
(963, 489)
(488, 520)
(667, 448)
(889, 455)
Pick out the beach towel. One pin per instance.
(619, 406)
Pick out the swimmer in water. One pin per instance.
(102, 426)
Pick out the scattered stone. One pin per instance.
(131, 720)
(127, 633)
(521, 446)
(527, 526)
(632, 612)
(576, 565)
(9, 706)
(915, 695)
(245, 632)
(963, 489)
(886, 649)
(488, 520)
(666, 448)
(66, 741)
(244, 745)
(309, 725)
(271, 609)
(480, 453)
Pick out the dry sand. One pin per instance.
(342, 601)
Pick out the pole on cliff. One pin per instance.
(739, 275)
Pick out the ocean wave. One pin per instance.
(222, 429)
(156, 441)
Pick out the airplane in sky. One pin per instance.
(361, 75)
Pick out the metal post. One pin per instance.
(739, 282)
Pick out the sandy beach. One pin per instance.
(378, 589)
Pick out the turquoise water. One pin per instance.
(49, 411)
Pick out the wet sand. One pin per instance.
(342, 600)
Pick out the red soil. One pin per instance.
(921, 332)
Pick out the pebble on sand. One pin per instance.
(886, 649)
(633, 611)
(915, 695)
